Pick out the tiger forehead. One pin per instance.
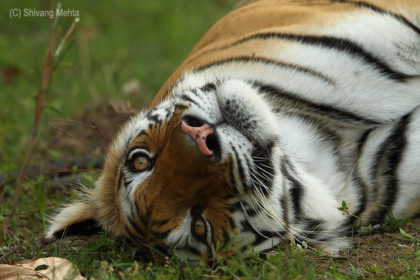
(151, 138)
(160, 121)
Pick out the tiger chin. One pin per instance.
(263, 132)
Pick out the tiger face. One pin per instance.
(192, 158)
(176, 174)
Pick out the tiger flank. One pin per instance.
(283, 112)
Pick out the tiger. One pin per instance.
(289, 121)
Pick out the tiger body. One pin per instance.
(282, 111)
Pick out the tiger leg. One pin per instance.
(388, 168)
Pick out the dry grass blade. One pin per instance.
(66, 37)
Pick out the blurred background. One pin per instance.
(120, 51)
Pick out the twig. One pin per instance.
(46, 74)
(66, 37)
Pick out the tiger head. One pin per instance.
(186, 174)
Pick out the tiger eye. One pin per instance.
(199, 227)
(141, 163)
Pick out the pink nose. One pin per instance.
(199, 134)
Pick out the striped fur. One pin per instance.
(311, 103)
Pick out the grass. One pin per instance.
(114, 45)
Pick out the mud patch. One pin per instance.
(88, 132)
(380, 254)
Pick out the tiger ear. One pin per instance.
(74, 219)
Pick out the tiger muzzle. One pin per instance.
(203, 134)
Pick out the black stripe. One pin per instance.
(283, 205)
(268, 61)
(126, 183)
(208, 87)
(387, 161)
(230, 220)
(246, 226)
(237, 206)
(121, 178)
(348, 227)
(187, 98)
(226, 237)
(296, 194)
(135, 239)
(362, 141)
(323, 129)
(192, 250)
(322, 110)
(168, 113)
(213, 240)
(180, 107)
(135, 226)
(140, 214)
(232, 178)
(265, 169)
(248, 163)
(154, 118)
(312, 230)
(357, 178)
(159, 223)
(131, 235)
(143, 132)
(340, 44)
(160, 234)
(362, 195)
(228, 196)
(374, 8)
(265, 235)
(251, 212)
(260, 236)
(85, 228)
(240, 168)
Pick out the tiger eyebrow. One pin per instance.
(120, 179)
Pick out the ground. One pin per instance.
(119, 58)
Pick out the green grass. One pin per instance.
(113, 44)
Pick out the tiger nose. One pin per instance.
(198, 131)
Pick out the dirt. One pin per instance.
(88, 132)
(380, 253)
